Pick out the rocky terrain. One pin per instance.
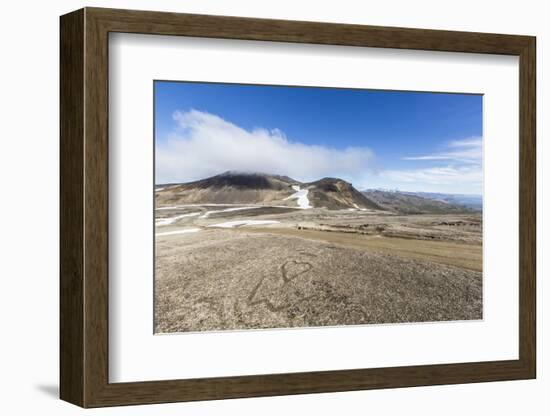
(250, 251)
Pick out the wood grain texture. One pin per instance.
(71, 208)
(96, 208)
(84, 207)
(162, 23)
(528, 207)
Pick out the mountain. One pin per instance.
(334, 193)
(411, 203)
(259, 188)
(474, 202)
(228, 188)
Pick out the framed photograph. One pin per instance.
(260, 207)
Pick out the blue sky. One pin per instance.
(412, 141)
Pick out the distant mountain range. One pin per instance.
(474, 202)
(424, 202)
(331, 193)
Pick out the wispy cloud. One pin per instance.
(445, 175)
(457, 168)
(449, 178)
(205, 144)
(464, 151)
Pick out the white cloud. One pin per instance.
(205, 144)
(446, 175)
(465, 151)
(456, 169)
(452, 179)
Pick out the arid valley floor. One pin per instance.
(242, 266)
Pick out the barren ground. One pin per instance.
(239, 267)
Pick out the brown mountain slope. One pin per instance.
(228, 188)
(258, 188)
(333, 193)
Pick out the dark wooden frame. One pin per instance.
(84, 207)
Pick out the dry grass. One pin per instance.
(468, 256)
